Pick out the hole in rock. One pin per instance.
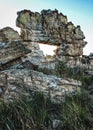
(48, 49)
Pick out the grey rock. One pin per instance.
(11, 52)
(9, 34)
(26, 80)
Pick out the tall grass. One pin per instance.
(24, 114)
(38, 113)
(77, 112)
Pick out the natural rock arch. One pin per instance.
(52, 28)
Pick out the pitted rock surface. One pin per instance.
(52, 28)
(9, 34)
(21, 58)
(27, 81)
(11, 52)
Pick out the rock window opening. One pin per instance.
(48, 49)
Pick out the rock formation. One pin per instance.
(8, 34)
(21, 57)
(11, 48)
(27, 81)
(52, 28)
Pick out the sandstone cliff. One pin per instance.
(21, 57)
(52, 28)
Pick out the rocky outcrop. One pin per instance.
(11, 48)
(25, 71)
(36, 56)
(52, 28)
(21, 58)
(27, 81)
(11, 51)
(18, 60)
(8, 34)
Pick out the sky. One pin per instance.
(80, 12)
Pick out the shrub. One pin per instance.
(38, 112)
(76, 112)
(62, 70)
(25, 114)
(13, 115)
(46, 71)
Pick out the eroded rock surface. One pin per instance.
(21, 58)
(51, 27)
(11, 52)
(18, 60)
(26, 81)
(9, 34)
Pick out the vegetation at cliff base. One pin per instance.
(39, 113)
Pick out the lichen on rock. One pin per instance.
(22, 60)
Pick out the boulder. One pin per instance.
(9, 34)
(11, 52)
(27, 81)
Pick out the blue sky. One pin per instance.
(80, 12)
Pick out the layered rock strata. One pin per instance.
(26, 82)
(20, 55)
(11, 48)
(17, 75)
(8, 34)
(52, 28)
